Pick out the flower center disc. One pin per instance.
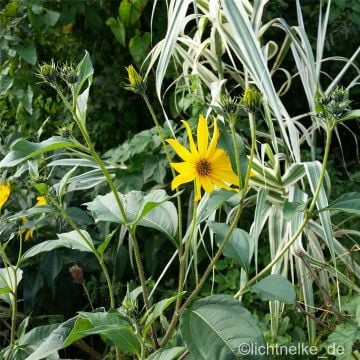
(203, 167)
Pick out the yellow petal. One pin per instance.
(184, 167)
(182, 152)
(193, 149)
(197, 189)
(202, 137)
(225, 175)
(41, 200)
(4, 194)
(207, 184)
(220, 184)
(214, 140)
(28, 234)
(181, 179)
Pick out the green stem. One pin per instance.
(226, 239)
(92, 151)
(162, 138)
(307, 217)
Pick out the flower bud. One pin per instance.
(136, 82)
(251, 100)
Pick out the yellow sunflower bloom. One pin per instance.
(41, 200)
(4, 194)
(205, 164)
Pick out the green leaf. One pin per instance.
(226, 143)
(50, 17)
(139, 45)
(30, 341)
(112, 327)
(240, 246)
(118, 29)
(53, 342)
(214, 328)
(216, 199)
(275, 287)
(130, 11)
(152, 210)
(341, 341)
(354, 114)
(157, 310)
(167, 354)
(81, 325)
(6, 83)
(85, 72)
(23, 150)
(102, 247)
(27, 51)
(70, 240)
(9, 280)
(290, 208)
(36, 210)
(349, 202)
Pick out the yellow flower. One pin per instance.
(4, 194)
(41, 200)
(134, 78)
(25, 229)
(205, 164)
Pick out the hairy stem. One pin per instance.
(219, 252)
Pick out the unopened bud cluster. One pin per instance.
(52, 73)
(330, 108)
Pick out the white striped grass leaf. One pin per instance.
(313, 170)
(344, 279)
(262, 212)
(321, 35)
(293, 174)
(242, 39)
(176, 15)
(342, 72)
(314, 249)
(296, 195)
(342, 252)
(256, 17)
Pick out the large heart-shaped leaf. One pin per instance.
(152, 210)
(216, 327)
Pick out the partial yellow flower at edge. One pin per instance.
(4, 193)
(208, 166)
(41, 200)
(28, 232)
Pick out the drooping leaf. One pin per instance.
(216, 199)
(118, 29)
(157, 310)
(239, 247)
(53, 342)
(71, 240)
(85, 73)
(275, 287)
(27, 51)
(10, 278)
(23, 150)
(152, 210)
(214, 328)
(139, 46)
(112, 326)
(349, 202)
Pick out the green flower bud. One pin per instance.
(251, 100)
